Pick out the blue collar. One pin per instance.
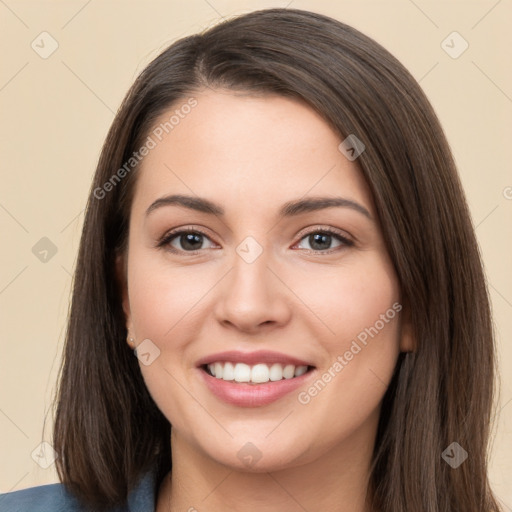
(56, 497)
(143, 497)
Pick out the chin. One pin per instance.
(258, 454)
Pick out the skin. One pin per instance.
(250, 155)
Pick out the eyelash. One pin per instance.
(167, 238)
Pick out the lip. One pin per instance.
(252, 358)
(253, 395)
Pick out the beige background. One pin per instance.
(56, 113)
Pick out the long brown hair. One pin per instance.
(108, 431)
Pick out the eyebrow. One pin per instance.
(289, 209)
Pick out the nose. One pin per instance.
(253, 297)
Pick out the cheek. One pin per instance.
(162, 297)
(361, 344)
(162, 310)
(348, 299)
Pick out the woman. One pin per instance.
(277, 230)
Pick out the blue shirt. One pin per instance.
(56, 498)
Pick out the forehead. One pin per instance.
(257, 150)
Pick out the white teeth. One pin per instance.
(276, 372)
(229, 372)
(219, 370)
(300, 370)
(260, 373)
(257, 374)
(289, 371)
(242, 372)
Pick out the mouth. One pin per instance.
(253, 379)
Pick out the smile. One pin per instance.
(252, 394)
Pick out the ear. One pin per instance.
(122, 280)
(407, 340)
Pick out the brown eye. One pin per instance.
(184, 241)
(321, 241)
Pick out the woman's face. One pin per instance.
(247, 281)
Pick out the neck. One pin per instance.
(336, 481)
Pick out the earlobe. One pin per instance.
(407, 340)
